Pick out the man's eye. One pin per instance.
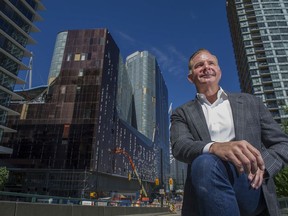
(198, 65)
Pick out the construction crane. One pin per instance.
(121, 151)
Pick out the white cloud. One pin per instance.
(126, 37)
(171, 60)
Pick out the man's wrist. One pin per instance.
(207, 147)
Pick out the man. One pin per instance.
(232, 145)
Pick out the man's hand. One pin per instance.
(256, 179)
(243, 155)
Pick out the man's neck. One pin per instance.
(210, 93)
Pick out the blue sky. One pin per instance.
(171, 30)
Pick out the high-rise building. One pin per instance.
(150, 98)
(16, 23)
(260, 39)
(178, 171)
(68, 131)
(141, 68)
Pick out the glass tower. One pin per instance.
(57, 57)
(16, 23)
(260, 39)
(150, 97)
(141, 68)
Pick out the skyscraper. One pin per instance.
(260, 39)
(69, 130)
(16, 23)
(150, 97)
(141, 68)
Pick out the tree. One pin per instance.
(4, 173)
(281, 179)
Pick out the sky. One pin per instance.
(171, 30)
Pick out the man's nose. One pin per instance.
(206, 65)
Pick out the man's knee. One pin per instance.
(204, 163)
(207, 167)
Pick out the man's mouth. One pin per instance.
(207, 75)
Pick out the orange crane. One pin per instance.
(121, 151)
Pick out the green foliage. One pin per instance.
(281, 181)
(285, 126)
(4, 173)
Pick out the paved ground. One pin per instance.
(159, 214)
(283, 211)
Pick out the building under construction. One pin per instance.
(69, 129)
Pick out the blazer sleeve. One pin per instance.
(186, 143)
(275, 142)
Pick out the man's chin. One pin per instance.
(208, 80)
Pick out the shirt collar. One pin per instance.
(221, 96)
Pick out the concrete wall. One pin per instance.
(36, 209)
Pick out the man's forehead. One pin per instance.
(203, 55)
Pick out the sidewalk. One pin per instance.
(158, 214)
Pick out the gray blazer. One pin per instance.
(252, 122)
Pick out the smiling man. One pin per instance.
(232, 145)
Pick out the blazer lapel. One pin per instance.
(198, 121)
(238, 112)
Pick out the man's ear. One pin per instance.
(189, 77)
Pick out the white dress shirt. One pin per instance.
(218, 117)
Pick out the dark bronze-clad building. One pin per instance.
(68, 130)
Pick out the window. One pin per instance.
(279, 93)
(282, 59)
(252, 65)
(267, 45)
(255, 81)
(284, 76)
(254, 72)
(257, 89)
(260, 25)
(276, 37)
(77, 57)
(249, 50)
(277, 85)
(265, 38)
(280, 52)
(241, 18)
(251, 58)
(63, 89)
(83, 56)
(80, 74)
(247, 37)
(269, 53)
(244, 24)
(271, 24)
(270, 60)
(69, 56)
(275, 76)
(244, 30)
(283, 67)
(247, 43)
(66, 129)
(259, 18)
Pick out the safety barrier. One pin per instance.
(45, 209)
